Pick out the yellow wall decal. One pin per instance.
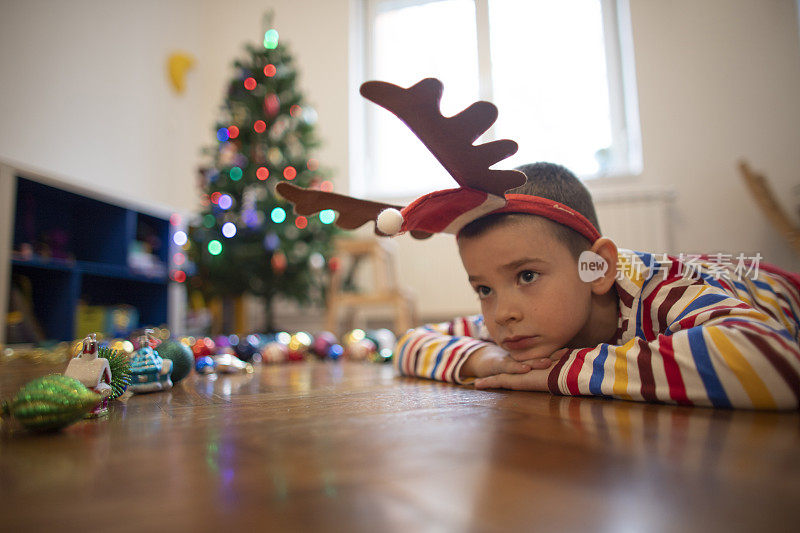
(178, 64)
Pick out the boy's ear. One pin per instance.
(606, 249)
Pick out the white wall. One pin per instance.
(720, 80)
(83, 94)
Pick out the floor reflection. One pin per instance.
(695, 439)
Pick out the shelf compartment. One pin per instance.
(71, 247)
(149, 297)
(70, 226)
(53, 295)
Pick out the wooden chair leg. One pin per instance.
(765, 198)
(330, 319)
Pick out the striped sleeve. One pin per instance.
(715, 350)
(437, 351)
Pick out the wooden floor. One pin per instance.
(352, 447)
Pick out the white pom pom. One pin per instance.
(390, 221)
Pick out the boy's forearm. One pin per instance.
(427, 353)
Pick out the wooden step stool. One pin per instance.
(385, 291)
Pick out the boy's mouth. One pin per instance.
(519, 342)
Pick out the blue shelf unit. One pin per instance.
(71, 248)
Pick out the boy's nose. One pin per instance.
(507, 311)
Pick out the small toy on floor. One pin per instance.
(120, 367)
(230, 364)
(93, 372)
(51, 403)
(181, 357)
(204, 365)
(149, 371)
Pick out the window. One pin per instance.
(560, 73)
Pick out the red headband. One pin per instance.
(448, 211)
(552, 210)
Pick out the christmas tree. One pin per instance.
(248, 240)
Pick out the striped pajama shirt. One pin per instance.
(691, 331)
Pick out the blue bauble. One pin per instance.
(335, 352)
(204, 365)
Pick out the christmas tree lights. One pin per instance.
(265, 134)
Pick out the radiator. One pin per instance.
(637, 220)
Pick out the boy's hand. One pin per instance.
(533, 380)
(493, 360)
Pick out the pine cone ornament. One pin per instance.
(120, 371)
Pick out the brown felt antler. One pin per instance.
(353, 212)
(450, 139)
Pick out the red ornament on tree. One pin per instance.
(279, 262)
(271, 105)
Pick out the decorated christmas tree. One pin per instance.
(248, 240)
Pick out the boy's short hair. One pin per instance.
(554, 182)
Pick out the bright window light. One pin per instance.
(550, 82)
(560, 72)
(411, 43)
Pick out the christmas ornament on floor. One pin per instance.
(204, 365)
(93, 372)
(298, 346)
(230, 364)
(149, 371)
(247, 349)
(222, 342)
(357, 347)
(120, 367)
(376, 346)
(50, 403)
(386, 342)
(181, 357)
(274, 352)
(203, 347)
(322, 344)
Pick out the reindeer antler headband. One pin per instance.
(481, 192)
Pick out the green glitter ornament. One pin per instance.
(50, 403)
(181, 357)
(120, 371)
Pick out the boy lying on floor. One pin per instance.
(563, 310)
(649, 328)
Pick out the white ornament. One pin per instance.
(390, 221)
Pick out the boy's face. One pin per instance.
(533, 300)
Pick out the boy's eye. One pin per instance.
(528, 276)
(483, 291)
